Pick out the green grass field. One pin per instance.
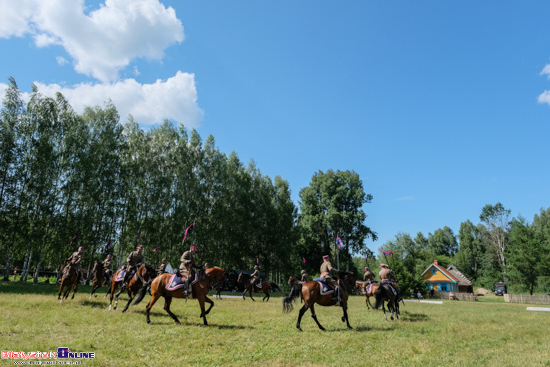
(245, 333)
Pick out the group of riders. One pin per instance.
(387, 276)
(188, 263)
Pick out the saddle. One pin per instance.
(121, 275)
(177, 281)
(391, 284)
(325, 287)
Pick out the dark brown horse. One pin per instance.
(70, 278)
(199, 291)
(99, 277)
(145, 272)
(249, 287)
(311, 292)
(385, 293)
(292, 280)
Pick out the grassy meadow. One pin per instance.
(245, 333)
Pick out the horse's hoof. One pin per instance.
(350, 328)
(299, 328)
(343, 319)
(149, 322)
(110, 307)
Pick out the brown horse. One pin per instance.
(249, 287)
(199, 291)
(386, 294)
(292, 280)
(218, 285)
(99, 277)
(362, 289)
(70, 278)
(311, 292)
(145, 272)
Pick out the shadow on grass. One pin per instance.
(413, 317)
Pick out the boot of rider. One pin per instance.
(186, 291)
(336, 295)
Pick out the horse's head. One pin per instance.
(216, 274)
(148, 270)
(348, 278)
(293, 279)
(242, 277)
(98, 266)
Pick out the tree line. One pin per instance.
(70, 180)
(499, 248)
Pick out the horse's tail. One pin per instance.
(379, 297)
(275, 287)
(141, 292)
(294, 293)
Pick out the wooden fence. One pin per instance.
(526, 298)
(459, 296)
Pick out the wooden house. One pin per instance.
(465, 285)
(440, 279)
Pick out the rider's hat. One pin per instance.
(163, 260)
(140, 247)
(384, 266)
(108, 256)
(366, 268)
(326, 257)
(303, 271)
(255, 266)
(80, 248)
(194, 245)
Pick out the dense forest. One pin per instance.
(70, 180)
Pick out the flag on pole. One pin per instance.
(74, 238)
(258, 260)
(339, 243)
(304, 260)
(155, 250)
(139, 235)
(388, 253)
(185, 235)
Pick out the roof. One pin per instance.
(463, 279)
(442, 270)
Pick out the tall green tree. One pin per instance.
(497, 221)
(523, 254)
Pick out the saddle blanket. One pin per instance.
(177, 282)
(325, 288)
(120, 276)
(392, 287)
(368, 288)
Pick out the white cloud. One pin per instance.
(61, 60)
(544, 97)
(546, 70)
(174, 98)
(101, 42)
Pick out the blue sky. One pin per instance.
(440, 107)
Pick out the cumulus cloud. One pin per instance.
(101, 42)
(545, 96)
(173, 99)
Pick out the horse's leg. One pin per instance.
(302, 311)
(384, 309)
(131, 296)
(75, 289)
(112, 291)
(250, 291)
(167, 302)
(266, 291)
(208, 300)
(60, 291)
(154, 299)
(244, 293)
(201, 299)
(118, 294)
(345, 317)
(312, 309)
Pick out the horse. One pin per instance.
(362, 289)
(70, 278)
(293, 279)
(199, 291)
(386, 294)
(218, 285)
(266, 286)
(311, 292)
(99, 277)
(146, 271)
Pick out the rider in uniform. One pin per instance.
(326, 271)
(107, 266)
(134, 261)
(76, 259)
(255, 277)
(305, 277)
(369, 276)
(186, 267)
(162, 268)
(388, 276)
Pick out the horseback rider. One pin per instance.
(255, 277)
(207, 266)
(162, 268)
(369, 275)
(326, 271)
(186, 267)
(107, 266)
(305, 277)
(387, 276)
(133, 262)
(76, 259)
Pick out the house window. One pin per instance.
(434, 271)
(443, 287)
